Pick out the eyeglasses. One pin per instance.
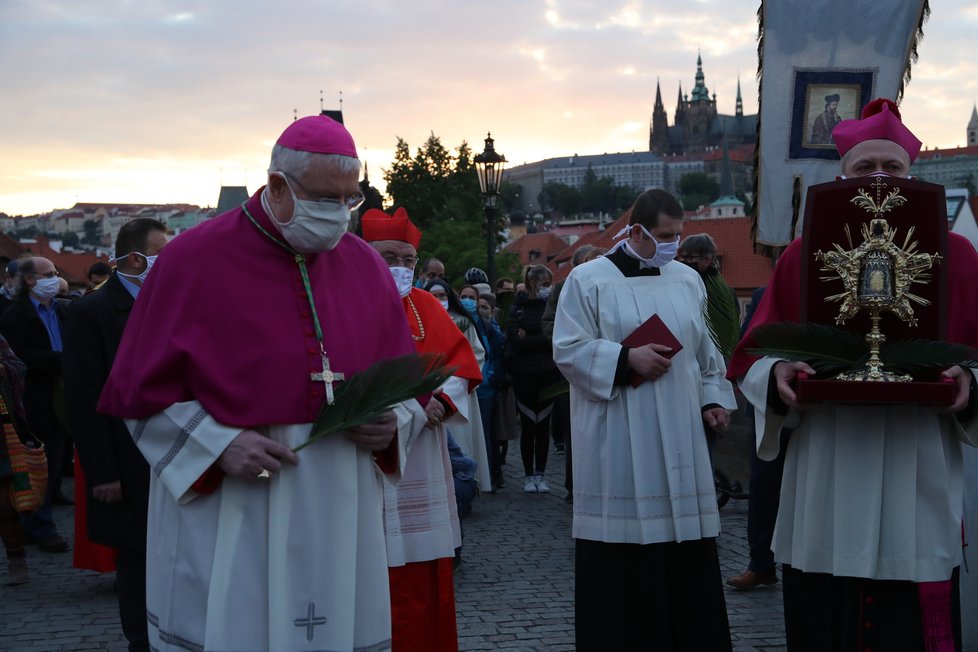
(406, 261)
(352, 202)
(53, 274)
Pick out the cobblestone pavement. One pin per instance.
(513, 592)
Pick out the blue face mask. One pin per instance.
(469, 304)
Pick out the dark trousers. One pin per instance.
(762, 507)
(534, 445)
(10, 529)
(560, 421)
(660, 596)
(130, 577)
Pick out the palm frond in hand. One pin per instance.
(920, 356)
(722, 314)
(367, 395)
(827, 349)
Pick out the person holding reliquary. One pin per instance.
(869, 527)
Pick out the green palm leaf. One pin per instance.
(827, 349)
(921, 356)
(722, 314)
(559, 388)
(830, 350)
(367, 395)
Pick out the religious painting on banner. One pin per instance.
(818, 64)
(823, 99)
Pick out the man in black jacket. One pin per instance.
(32, 325)
(116, 473)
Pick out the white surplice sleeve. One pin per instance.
(180, 444)
(587, 361)
(767, 423)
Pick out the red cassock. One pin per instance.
(423, 593)
(88, 555)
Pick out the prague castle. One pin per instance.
(697, 126)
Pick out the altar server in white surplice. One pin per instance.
(225, 362)
(645, 511)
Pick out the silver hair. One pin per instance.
(296, 163)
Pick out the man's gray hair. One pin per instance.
(581, 254)
(296, 163)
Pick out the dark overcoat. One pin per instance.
(91, 337)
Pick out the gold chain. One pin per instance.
(420, 336)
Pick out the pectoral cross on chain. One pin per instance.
(327, 377)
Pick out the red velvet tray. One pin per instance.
(809, 390)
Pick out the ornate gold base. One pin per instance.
(874, 376)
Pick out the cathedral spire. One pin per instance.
(658, 96)
(973, 127)
(700, 91)
(739, 112)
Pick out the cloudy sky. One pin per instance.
(165, 100)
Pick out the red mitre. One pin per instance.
(880, 121)
(378, 225)
(319, 135)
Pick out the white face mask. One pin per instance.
(314, 226)
(444, 304)
(402, 279)
(665, 252)
(544, 293)
(139, 277)
(47, 288)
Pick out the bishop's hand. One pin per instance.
(251, 453)
(962, 378)
(375, 436)
(648, 360)
(784, 374)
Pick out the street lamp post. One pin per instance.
(489, 164)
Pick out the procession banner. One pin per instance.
(819, 62)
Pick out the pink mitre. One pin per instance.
(880, 121)
(319, 135)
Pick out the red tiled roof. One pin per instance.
(741, 267)
(72, 266)
(10, 247)
(740, 153)
(950, 152)
(547, 244)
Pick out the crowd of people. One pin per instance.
(185, 430)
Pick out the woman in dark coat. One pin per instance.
(12, 372)
(530, 364)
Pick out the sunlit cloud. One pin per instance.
(171, 105)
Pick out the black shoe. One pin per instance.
(559, 446)
(53, 543)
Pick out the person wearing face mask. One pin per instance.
(33, 326)
(530, 364)
(869, 526)
(112, 504)
(645, 509)
(420, 512)
(218, 394)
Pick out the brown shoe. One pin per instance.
(17, 571)
(751, 580)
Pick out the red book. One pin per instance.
(653, 331)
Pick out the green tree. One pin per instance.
(70, 239)
(440, 191)
(91, 232)
(697, 189)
